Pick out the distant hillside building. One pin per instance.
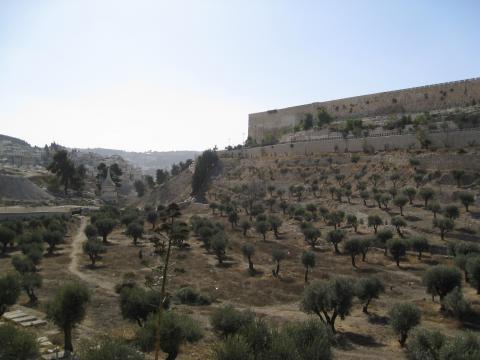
(109, 189)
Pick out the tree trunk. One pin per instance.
(398, 261)
(104, 238)
(403, 338)
(364, 256)
(306, 275)
(365, 307)
(250, 265)
(172, 355)
(335, 245)
(278, 268)
(67, 332)
(353, 261)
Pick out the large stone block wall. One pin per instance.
(414, 100)
(452, 139)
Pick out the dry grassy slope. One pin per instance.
(19, 188)
(176, 189)
(277, 299)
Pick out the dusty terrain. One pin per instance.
(276, 299)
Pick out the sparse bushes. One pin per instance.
(174, 331)
(465, 346)
(108, 349)
(136, 303)
(403, 318)
(456, 305)
(17, 344)
(228, 321)
(190, 296)
(425, 344)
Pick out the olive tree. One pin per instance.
(67, 309)
(382, 238)
(367, 289)
(400, 201)
(466, 199)
(93, 248)
(311, 235)
(473, 269)
(444, 225)
(328, 299)
(248, 251)
(410, 192)
(135, 231)
(10, 287)
(219, 243)
(105, 226)
(353, 248)
(245, 225)
(403, 318)
(6, 237)
(308, 261)
(398, 222)
(419, 244)
(374, 221)
(262, 227)
(441, 279)
(336, 237)
(426, 194)
(397, 249)
(277, 256)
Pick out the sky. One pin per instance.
(161, 75)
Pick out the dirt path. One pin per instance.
(74, 267)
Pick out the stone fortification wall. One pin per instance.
(414, 100)
(451, 139)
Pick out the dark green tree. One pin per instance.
(67, 309)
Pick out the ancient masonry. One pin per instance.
(408, 101)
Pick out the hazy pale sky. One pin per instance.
(177, 75)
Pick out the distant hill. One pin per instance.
(148, 161)
(14, 140)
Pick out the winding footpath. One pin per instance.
(76, 251)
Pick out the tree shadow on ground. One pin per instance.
(377, 319)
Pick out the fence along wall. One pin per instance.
(451, 139)
(414, 100)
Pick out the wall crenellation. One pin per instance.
(461, 93)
